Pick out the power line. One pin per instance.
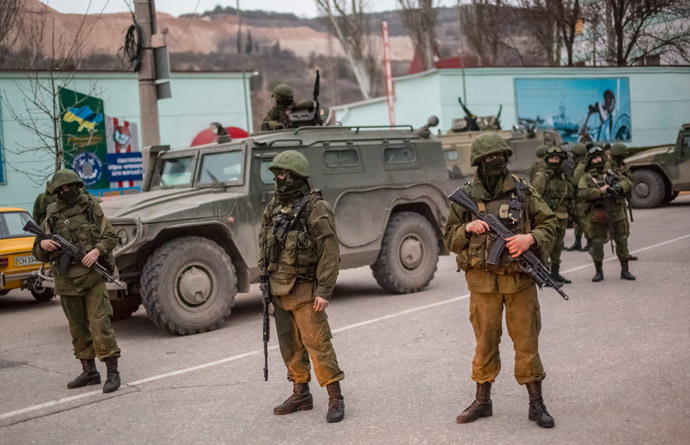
(188, 21)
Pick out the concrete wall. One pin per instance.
(197, 100)
(660, 97)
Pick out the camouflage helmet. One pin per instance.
(282, 91)
(555, 151)
(291, 160)
(486, 144)
(579, 150)
(63, 177)
(541, 151)
(619, 149)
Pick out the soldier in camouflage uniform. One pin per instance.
(579, 154)
(539, 163)
(301, 253)
(619, 151)
(595, 191)
(78, 218)
(522, 210)
(558, 192)
(277, 117)
(42, 202)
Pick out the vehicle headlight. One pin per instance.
(123, 236)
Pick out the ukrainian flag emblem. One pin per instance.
(84, 116)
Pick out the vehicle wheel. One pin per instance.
(409, 254)
(648, 189)
(4, 292)
(41, 293)
(670, 196)
(123, 308)
(188, 285)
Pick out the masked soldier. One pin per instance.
(41, 204)
(300, 250)
(557, 190)
(78, 218)
(619, 151)
(539, 163)
(579, 154)
(521, 209)
(277, 117)
(596, 191)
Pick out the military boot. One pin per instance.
(112, 381)
(555, 274)
(587, 246)
(336, 403)
(599, 276)
(633, 258)
(625, 273)
(537, 409)
(577, 245)
(89, 375)
(300, 400)
(480, 407)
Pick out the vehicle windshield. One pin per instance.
(221, 167)
(11, 224)
(174, 172)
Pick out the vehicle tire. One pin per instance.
(188, 285)
(649, 189)
(408, 256)
(670, 196)
(4, 292)
(123, 308)
(41, 293)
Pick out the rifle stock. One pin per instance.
(528, 262)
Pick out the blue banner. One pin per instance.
(595, 109)
(124, 166)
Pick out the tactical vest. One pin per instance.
(510, 209)
(556, 195)
(289, 246)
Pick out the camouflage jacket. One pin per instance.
(589, 190)
(557, 191)
(275, 119)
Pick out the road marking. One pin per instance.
(259, 351)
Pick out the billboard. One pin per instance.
(580, 109)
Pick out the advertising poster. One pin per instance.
(124, 167)
(84, 137)
(580, 109)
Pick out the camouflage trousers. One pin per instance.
(304, 333)
(523, 319)
(89, 323)
(554, 256)
(599, 234)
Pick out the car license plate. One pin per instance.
(25, 260)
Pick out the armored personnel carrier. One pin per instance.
(188, 242)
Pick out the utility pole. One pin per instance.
(145, 16)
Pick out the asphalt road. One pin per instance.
(616, 357)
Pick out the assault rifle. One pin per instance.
(529, 263)
(69, 252)
(307, 112)
(265, 287)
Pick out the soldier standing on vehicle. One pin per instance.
(539, 163)
(41, 203)
(557, 190)
(619, 151)
(300, 249)
(521, 209)
(277, 117)
(579, 154)
(594, 189)
(78, 218)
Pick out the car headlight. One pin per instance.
(123, 236)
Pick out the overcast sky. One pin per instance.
(303, 8)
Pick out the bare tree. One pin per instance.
(9, 27)
(419, 19)
(349, 23)
(481, 24)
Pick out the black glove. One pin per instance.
(615, 190)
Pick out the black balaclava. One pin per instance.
(600, 166)
(69, 196)
(291, 187)
(555, 167)
(492, 173)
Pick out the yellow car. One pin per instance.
(18, 268)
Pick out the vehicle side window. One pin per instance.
(175, 171)
(266, 174)
(221, 167)
(340, 158)
(686, 142)
(12, 223)
(399, 155)
(451, 155)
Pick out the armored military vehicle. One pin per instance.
(524, 142)
(188, 242)
(661, 173)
